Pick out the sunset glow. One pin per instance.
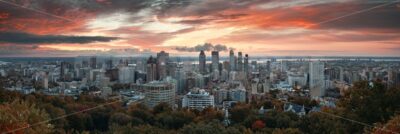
(288, 27)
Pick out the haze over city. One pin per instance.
(58, 28)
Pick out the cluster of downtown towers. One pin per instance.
(156, 67)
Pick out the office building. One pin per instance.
(316, 79)
(215, 61)
(151, 69)
(246, 63)
(198, 99)
(240, 62)
(93, 63)
(202, 62)
(126, 75)
(232, 62)
(157, 92)
(162, 60)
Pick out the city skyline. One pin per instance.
(260, 28)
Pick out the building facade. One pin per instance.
(198, 99)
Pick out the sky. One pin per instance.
(67, 28)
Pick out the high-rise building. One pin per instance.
(297, 80)
(215, 61)
(198, 99)
(238, 94)
(63, 69)
(162, 60)
(316, 78)
(109, 64)
(151, 69)
(157, 92)
(232, 62)
(246, 63)
(126, 75)
(85, 63)
(93, 62)
(240, 62)
(254, 66)
(46, 81)
(202, 62)
(224, 75)
(180, 76)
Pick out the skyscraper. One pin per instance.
(126, 74)
(109, 64)
(240, 62)
(246, 63)
(202, 62)
(232, 62)
(162, 59)
(93, 63)
(46, 81)
(151, 69)
(317, 79)
(63, 68)
(215, 61)
(180, 76)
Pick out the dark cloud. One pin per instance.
(204, 47)
(387, 17)
(26, 38)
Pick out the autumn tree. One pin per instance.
(391, 127)
(22, 117)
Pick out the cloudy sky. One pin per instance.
(182, 27)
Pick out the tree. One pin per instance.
(175, 119)
(287, 131)
(240, 112)
(318, 123)
(391, 127)
(162, 107)
(21, 114)
(369, 104)
(140, 114)
(257, 125)
(214, 127)
(120, 119)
